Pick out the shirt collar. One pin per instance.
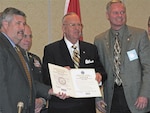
(12, 43)
(69, 44)
(121, 31)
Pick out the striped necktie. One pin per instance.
(76, 56)
(117, 60)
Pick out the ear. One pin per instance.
(63, 28)
(5, 24)
(107, 16)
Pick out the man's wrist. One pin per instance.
(44, 102)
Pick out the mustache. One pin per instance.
(20, 32)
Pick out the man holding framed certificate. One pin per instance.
(61, 53)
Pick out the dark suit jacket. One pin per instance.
(14, 85)
(36, 70)
(135, 74)
(57, 53)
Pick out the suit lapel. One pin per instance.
(13, 52)
(127, 39)
(109, 46)
(65, 53)
(11, 49)
(82, 54)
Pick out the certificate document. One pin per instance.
(78, 83)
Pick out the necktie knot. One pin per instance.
(117, 37)
(74, 47)
(117, 34)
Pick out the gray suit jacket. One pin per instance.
(135, 73)
(14, 86)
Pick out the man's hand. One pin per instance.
(59, 95)
(50, 92)
(100, 105)
(98, 77)
(62, 96)
(141, 102)
(39, 103)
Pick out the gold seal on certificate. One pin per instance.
(78, 83)
(62, 80)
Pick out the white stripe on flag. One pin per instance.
(66, 6)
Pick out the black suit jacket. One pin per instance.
(58, 53)
(36, 70)
(14, 86)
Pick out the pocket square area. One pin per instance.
(88, 61)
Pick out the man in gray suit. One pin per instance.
(132, 92)
(14, 83)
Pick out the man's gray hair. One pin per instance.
(8, 14)
(112, 2)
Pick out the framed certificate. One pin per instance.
(78, 83)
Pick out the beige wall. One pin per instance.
(44, 16)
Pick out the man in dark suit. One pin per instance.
(35, 65)
(15, 85)
(130, 92)
(60, 53)
(34, 60)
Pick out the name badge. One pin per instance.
(132, 55)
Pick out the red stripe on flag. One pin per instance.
(73, 6)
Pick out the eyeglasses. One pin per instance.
(121, 13)
(27, 36)
(74, 25)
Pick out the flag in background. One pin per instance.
(73, 6)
